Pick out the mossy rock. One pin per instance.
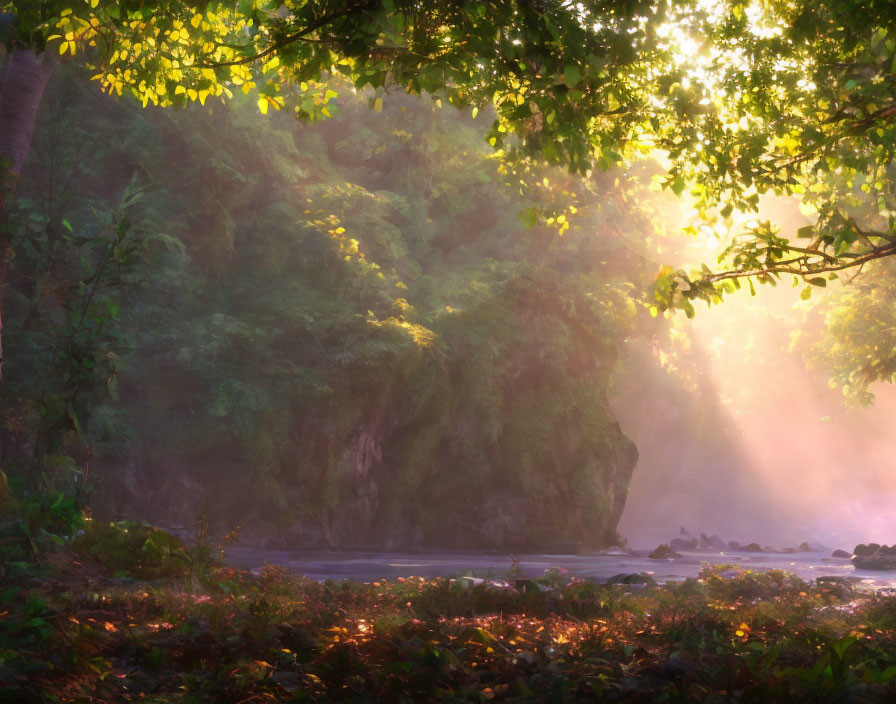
(663, 552)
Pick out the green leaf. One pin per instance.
(817, 281)
(529, 217)
(572, 74)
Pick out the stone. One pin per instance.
(733, 545)
(713, 542)
(632, 578)
(663, 552)
(841, 554)
(804, 547)
(874, 557)
(751, 547)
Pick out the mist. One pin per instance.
(762, 448)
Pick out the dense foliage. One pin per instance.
(341, 336)
(744, 98)
(857, 344)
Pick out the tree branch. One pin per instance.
(291, 38)
(784, 267)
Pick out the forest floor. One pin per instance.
(75, 627)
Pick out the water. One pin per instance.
(371, 566)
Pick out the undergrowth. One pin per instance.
(125, 614)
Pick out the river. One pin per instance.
(370, 566)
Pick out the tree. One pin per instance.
(565, 81)
(743, 98)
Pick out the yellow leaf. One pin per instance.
(475, 112)
(378, 105)
(263, 105)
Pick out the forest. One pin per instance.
(389, 350)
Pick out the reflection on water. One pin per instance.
(368, 566)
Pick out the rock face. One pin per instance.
(434, 459)
(683, 543)
(841, 554)
(712, 542)
(874, 557)
(347, 414)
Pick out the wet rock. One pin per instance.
(874, 557)
(663, 552)
(751, 547)
(768, 548)
(788, 551)
(804, 547)
(683, 543)
(632, 578)
(841, 554)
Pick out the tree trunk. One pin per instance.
(22, 86)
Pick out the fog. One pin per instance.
(775, 455)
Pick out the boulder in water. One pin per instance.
(804, 547)
(874, 557)
(635, 578)
(841, 554)
(733, 545)
(663, 552)
(751, 547)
